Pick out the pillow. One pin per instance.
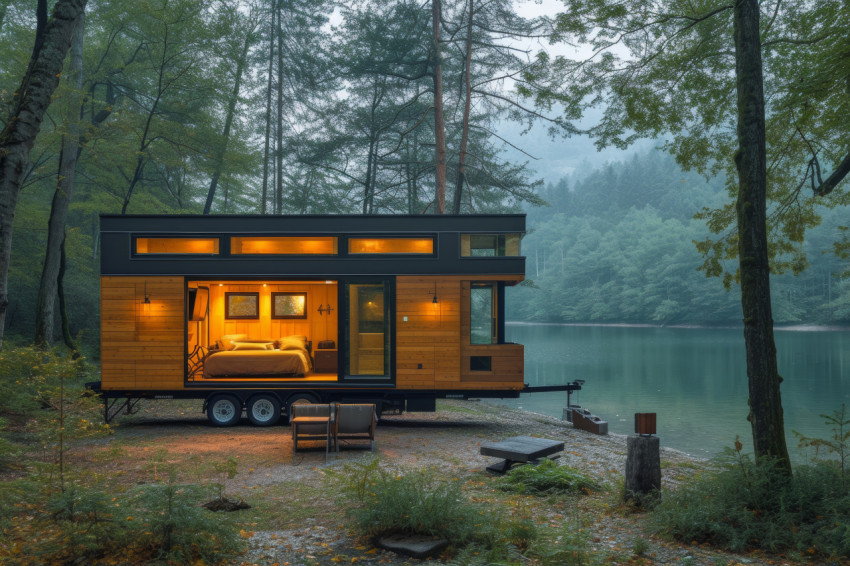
(250, 346)
(227, 341)
(294, 342)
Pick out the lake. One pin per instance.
(694, 379)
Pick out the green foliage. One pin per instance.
(745, 505)
(569, 546)
(640, 548)
(413, 502)
(161, 521)
(383, 500)
(547, 478)
(34, 384)
(172, 525)
(670, 75)
(226, 470)
(618, 246)
(85, 523)
(837, 445)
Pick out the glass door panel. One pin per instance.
(367, 330)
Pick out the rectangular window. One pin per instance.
(482, 314)
(196, 246)
(391, 245)
(480, 363)
(489, 245)
(283, 245)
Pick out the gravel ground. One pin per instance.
(448, 439)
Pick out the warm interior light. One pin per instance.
(283, 245)
(391, 245)
(176, 245)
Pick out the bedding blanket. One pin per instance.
(245, 363)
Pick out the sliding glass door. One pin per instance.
(367, 331)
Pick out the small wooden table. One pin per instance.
(297, 421)
(519, 449)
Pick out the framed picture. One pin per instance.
(289, 305)
(241, 305)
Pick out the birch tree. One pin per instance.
(53, 40)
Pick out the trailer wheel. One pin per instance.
(263, 410)
(224, 410)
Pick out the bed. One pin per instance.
(287, 357)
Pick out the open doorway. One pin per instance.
(269, 330)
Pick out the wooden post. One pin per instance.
(643, 465)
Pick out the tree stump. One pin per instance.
(643, 465)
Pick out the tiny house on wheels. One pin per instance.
(260, 312)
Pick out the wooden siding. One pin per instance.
(427, 333)
(432, 344)
(141, 345)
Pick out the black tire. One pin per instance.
(263, 410)
(224, 410)
(299, 398)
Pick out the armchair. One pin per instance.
(355, 422)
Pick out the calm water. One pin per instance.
(694, 379)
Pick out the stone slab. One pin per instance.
(415, 546)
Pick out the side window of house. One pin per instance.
(489, 245)
(482, 313)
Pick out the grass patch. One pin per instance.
(381, 500)
(547, 478)
(160, 521)
(410, 502)
(745, 505)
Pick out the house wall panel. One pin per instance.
(142, 343)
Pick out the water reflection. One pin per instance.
(695, 379)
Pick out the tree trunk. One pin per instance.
(367, 185)
(278, 194)
(268, 113)
(228, 122)
(63, 309)
(24, 123)
(464, 136)
(44, 318)
(439, 121)
(765, 402)
(643, 465)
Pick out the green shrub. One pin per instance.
(837, 446)
(747, 505)
(83, 524)
(383, 500)
(547, 478)
(412, 502)
(567, 546)
(170, 524)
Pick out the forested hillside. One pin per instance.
(303, 106)
(617, 247)
(255, 107)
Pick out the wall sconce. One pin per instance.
(325, 310)
(434, 300)
(147, 300)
